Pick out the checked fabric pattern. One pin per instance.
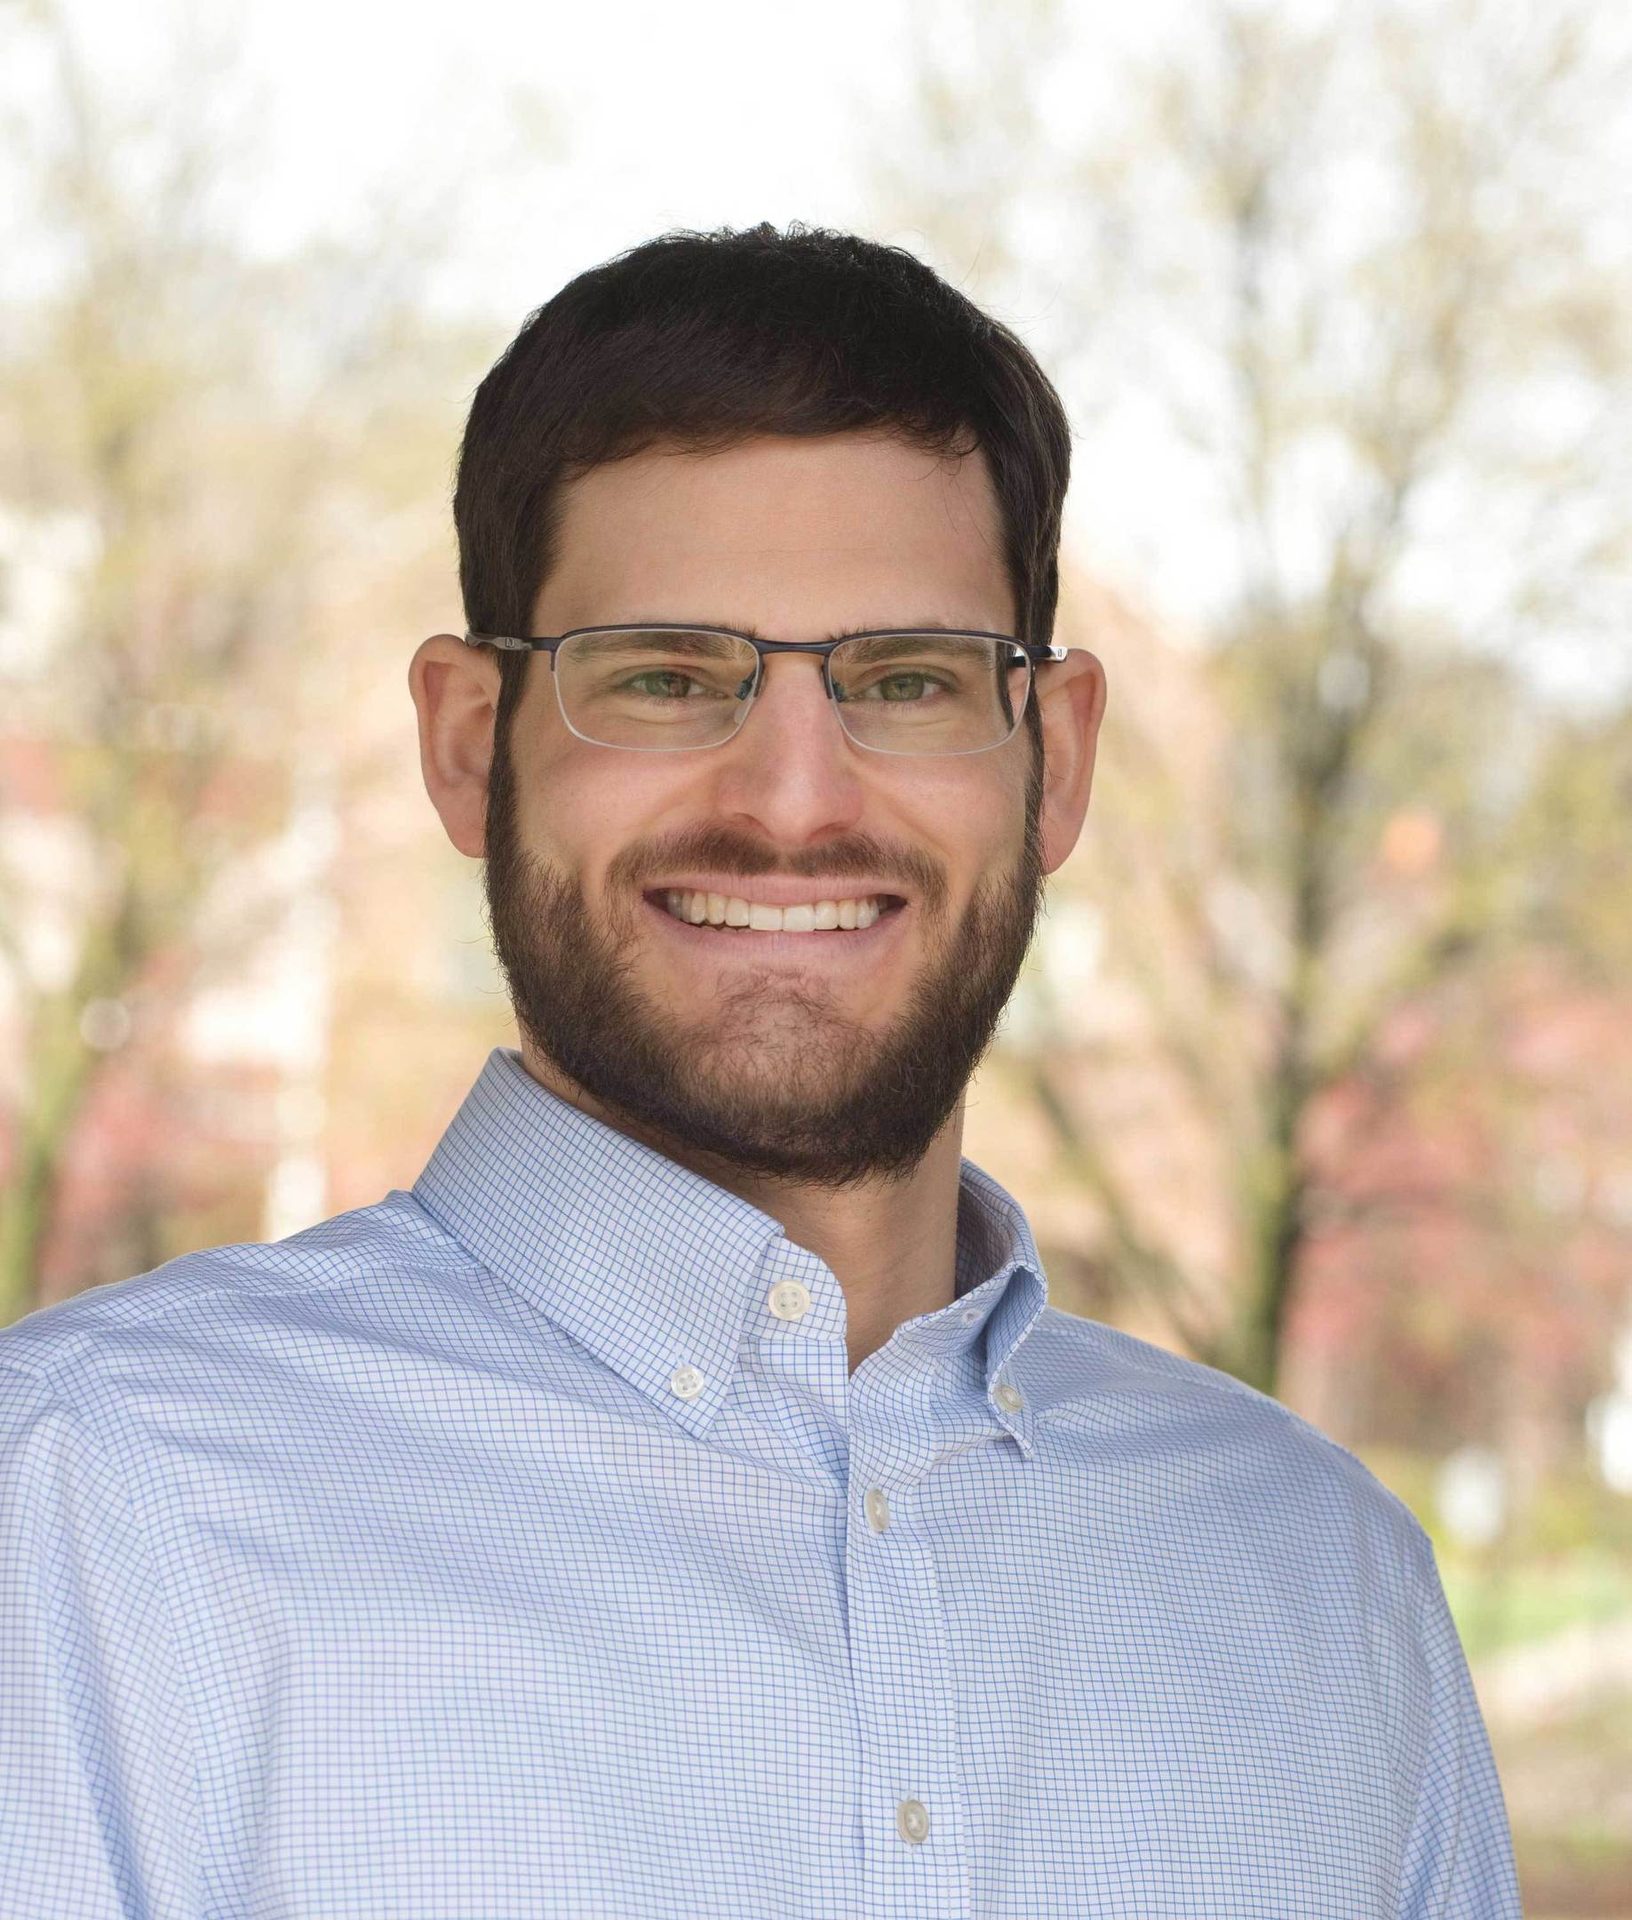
(520, 1547)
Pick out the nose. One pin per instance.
(793, 703)
(790, 769)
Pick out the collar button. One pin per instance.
(789, 1300)
(687, 1382)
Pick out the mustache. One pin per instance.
(718, 850)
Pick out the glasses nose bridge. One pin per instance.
(764, 649)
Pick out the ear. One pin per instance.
(456, 697)
(1071, 694)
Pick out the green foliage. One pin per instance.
(1497, 1604)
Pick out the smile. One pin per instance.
(804, 946)
(736, 913)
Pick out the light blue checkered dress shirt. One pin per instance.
(521, 1548)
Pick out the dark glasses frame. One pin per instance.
(1037, 653)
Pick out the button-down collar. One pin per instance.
(553, 1202)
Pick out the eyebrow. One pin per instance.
(683, 642)
(747, 627)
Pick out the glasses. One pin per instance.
(666, 687)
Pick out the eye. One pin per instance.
(908, 686)
(661, 685)
(891, 687)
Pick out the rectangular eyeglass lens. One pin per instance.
(647, 687)
(928, 692)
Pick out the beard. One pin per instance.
(772, 1078)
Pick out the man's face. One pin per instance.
(821, 1057)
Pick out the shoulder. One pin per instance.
(223, 1299)
(1197, 1429)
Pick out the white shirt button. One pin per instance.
(687, 1382)
(1008, 1398)
(912, 1821)
(970, 1316)
(789, 1300)
(878, 1509)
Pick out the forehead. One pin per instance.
(786, 532)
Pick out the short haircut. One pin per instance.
(704, 340)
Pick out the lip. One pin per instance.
(857, 946)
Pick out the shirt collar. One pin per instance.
(654, 1268)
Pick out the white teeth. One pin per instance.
(731, 910)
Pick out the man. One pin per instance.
(684, 1501)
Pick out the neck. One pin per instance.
(892, 1245)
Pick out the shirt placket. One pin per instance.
(914, 1820)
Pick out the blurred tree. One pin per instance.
(213, 431)
(1354, 267)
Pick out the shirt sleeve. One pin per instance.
(98, 1801)
(1459, 1858)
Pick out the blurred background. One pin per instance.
(1321, 1068)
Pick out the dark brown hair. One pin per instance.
(703, 340)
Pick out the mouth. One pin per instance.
(809, 934)
(736, 914)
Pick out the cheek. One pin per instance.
(973, 831)
(982, 806)
(582, 806)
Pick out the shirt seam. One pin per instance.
(1417, 1575)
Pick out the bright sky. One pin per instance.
(708, 113)
(672, 115)
(714, 112)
